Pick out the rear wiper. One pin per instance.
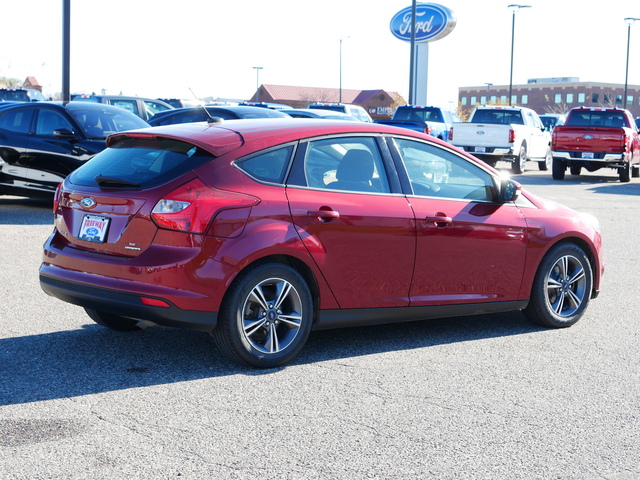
(105, 181)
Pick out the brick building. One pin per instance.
(379, 103)
(551, 95)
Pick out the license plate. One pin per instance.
(94, 228)
(587, 155)
(480, 149)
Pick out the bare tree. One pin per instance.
(6, 82)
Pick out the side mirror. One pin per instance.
(63, 133)
(509, 190)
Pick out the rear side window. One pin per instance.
(17, 121)
(267, 167)
(140, 163)
(130, 105)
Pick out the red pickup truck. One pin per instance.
(594, 138)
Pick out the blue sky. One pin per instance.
(161, 49)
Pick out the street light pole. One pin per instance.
(257, 69)
(630, 22)
(340, 95)
(488, 91)
(514, 9)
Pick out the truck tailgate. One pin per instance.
(481, 134)
(595, 139)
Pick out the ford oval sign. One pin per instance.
(433, 22)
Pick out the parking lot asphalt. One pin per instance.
(485, 397)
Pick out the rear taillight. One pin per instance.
(512, 136)
(191, 207)
(427, 129)
(451, 134)
(56, 198)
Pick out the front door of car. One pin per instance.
(361, 236)
(469, 248)
(54, 150)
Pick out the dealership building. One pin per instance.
(551, 95)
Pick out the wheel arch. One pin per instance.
(298, 265)
(589, 250)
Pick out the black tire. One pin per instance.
(520, 161)
(266, 316)
(490, 161)
(114, 322)
(635, 171)
(575, 169)
(561, 288)
(546, 163)
(625, 173)
(557, 169)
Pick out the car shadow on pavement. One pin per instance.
(94, 359)
(610, 183)
(25, 211)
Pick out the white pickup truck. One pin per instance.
(513, 134)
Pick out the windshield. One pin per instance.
(99, 123)
(139, 163)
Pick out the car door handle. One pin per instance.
(439, 219)
(324, 215)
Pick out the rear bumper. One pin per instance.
(126, 304)
(603, 158)
(503, 152)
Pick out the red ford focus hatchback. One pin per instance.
(260, 231)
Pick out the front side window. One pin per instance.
(351, 164)
(434, 171)
(49, 121)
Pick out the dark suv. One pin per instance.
(42, 142)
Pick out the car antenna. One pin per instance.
(210, 120)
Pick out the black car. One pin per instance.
(198, 114)
(42, 142)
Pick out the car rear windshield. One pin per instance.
(596, 119)
(419, 115)
(135, 163)
(334, 108)
(498, 117)
(14, 95)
